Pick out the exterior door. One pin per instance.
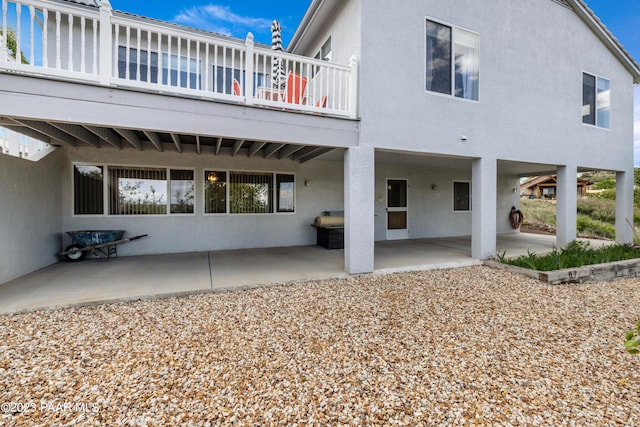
(397, 209)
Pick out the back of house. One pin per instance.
(417, 119)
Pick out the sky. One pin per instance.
(237, 18)
(228, 17)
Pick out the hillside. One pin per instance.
(596, 213)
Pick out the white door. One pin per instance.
(397, 209)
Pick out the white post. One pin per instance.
(106, 43)
(566, 205)
(353, 87)
(484, 182)
(359, 204)
(248, 64)
(624, 207)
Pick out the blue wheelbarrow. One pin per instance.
(100, 243)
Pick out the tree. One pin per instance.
(12, 45)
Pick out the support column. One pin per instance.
(484, 175)
(566, 205)
(359, 201)
(624, 207)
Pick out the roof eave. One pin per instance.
(307, 19)
(601, 31)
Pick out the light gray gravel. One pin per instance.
(472, 346)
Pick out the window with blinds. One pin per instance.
(88, 190)
(215, 192)
(161, 191)
(137, 191)
(182, 188)
(250, 192)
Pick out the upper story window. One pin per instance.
(184, 72)
(596, 101)
(325, 51)
(452, 61)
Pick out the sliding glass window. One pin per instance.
(596, 101)
(452, 61)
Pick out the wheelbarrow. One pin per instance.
(100, 243)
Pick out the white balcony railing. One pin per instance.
(69, 41)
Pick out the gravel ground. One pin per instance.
(472, 346)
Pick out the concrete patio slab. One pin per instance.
(125, 278)
(96, 280)
(252, 267)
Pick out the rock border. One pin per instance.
(584, 274)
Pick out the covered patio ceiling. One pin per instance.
(74, 135)
(439, 161)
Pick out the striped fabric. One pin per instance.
(279, 75)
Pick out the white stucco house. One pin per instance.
(416, 120)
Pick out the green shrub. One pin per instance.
(597, 208)
(576, 254)
(606, 184)
(587, 225)
(607, 194)
(632, 342)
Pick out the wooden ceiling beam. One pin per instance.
(154, 139)
(108, 135)
(80, 133)
(255, 147)
(49, 130)
(131, 137)
(237, 146)
(176, 140)
(289, 150)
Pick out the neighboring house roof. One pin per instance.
(537, 181)
(546, 180)
(318, 8)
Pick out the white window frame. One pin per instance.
(274, 199)
(326, 55)
(453, 194)
(596, 77)
(105, 190)
(452, 90)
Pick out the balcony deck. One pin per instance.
(98, 46)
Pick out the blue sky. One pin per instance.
(237, 18)
(232, 18)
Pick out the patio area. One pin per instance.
(96, 281)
